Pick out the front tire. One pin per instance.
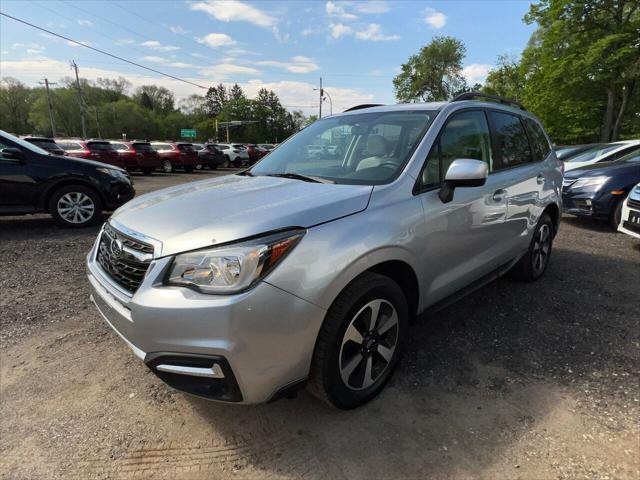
(167, 166)
(75, 206)
(534, 263)
(360, 342)
(616, 215)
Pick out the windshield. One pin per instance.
(46, 144)
(361, 148)
(593, 153)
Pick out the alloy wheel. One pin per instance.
(541, 249)
(167, 167)
(76, 207)
(368, 344)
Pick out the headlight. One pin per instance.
(230, 269)
(590, 183)
(112, 172)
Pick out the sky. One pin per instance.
(357, 47)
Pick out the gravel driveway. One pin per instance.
(517, 380)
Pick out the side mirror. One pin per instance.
(12, 153)
(463, 173)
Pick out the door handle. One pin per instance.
(499, 195)
(540, 179)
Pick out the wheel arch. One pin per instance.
(553, 210)
(48, 193)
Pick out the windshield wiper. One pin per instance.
(297, 176)
(245, 173)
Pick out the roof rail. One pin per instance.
(364, 105)
(496, 98)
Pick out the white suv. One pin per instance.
(235, 154)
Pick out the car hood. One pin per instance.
(86, 162)
(224, 209)
(602, 169)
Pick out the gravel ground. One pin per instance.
(529, 381)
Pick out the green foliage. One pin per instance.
(149, 113)
(434, 74)
(506, 80)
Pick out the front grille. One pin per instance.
(635, 204)
(123, 258)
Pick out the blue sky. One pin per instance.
(356, 46)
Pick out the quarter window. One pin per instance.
(539, 143)
(466, 135)
(512, 145)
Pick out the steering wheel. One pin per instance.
(389, 164)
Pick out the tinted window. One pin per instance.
(185, 147)
(621, 153)
(466, 135)
(145, 147)
(70, 145)
(119, 146)
(539, 143)
(593, 153)
(512, 143)
(100, 146)
(198, 147)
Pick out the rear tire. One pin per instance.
(199, 166)
(167, 166)
(227, 161)
(534, 263)
(75, 206)
(360, 342)
(616, 215)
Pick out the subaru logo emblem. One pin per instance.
(116, 247)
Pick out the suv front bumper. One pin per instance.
(239, 348)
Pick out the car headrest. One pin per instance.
(376, 146)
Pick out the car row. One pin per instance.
(577, 156)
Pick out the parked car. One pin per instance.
(246, 287)
(255, 152)
(565, 152)
(630, 216)
(176, 155)
(98, 150)
(606, 153)
(234, 154)
(267, 146)
(137, 155)
(73, 190)
(45, 143)
(208, 156)
(598, 191)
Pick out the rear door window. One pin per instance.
(100, 146)
(145, 147)
(511, 142)
(70, 146)
(539, 143)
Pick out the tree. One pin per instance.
(584, 66)
(236, 93)
(155, 98)
(507, 79)
(216, 98)
(15, 102)
(434, 74)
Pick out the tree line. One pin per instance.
(149, 111)
(579, 73)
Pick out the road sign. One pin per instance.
(188, 132)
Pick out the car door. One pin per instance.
(464, 239)
(18, 186)
(522, 174)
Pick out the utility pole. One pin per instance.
(95, 111)
(80, 100)
(50, 105)
(321, 95)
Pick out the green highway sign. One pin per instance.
(188, 132)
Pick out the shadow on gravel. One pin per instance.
(586, 223)
(33, 227)
(474, 380)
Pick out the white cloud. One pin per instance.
(168, 63)
(75, 45)
(338, 30)
(215, 40)
(373, 7)
(155, 45)
(235, 11)
(337, 10)
(29, 70)
(221, 70)
(476, 72)
(178, 29)
(30, 49)
(85, 23)
(434, 18)
(308, 31)
(374, 34)
(298, 64)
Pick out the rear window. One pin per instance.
(100, 147)
(145, 147)
(70, 145)
(238, 146)
(539, 143)
(120, 146)
(44, 143)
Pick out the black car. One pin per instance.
(599, 190)
(45, 143)
(565, 152)
(73, 190)
(208, 156)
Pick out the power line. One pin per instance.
(101, 51)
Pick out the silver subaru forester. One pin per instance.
(308, 268)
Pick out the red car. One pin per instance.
(176, 155)
(255, 152)
(138, 155)
(98, 150)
